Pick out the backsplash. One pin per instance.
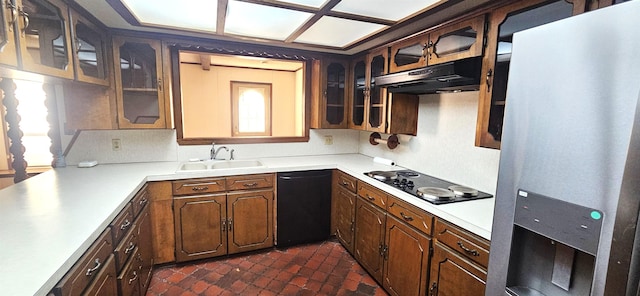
(444, 146)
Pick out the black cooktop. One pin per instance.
(431, 189)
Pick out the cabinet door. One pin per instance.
(377, 97)
(504, 22)
(139, 85)
(369, 237)
(250, 220)
(89, 50)
(454, 275)
(344, 213)
(406, 260)
(200, 226)
(144, 256)
(8, 18)
(44, 37)
(458, 41)
(334, 94)
(106, 282)
(129, 280)
(409, 54)
(358, 91)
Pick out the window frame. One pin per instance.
(174, 50)
(235, 116)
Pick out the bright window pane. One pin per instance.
(33, 123)
(251, 107)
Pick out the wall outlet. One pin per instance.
(116, 144)
(328, 140)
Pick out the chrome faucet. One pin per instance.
(215, 154)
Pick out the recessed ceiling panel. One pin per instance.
(394, 10)
(312, 3)
(262, 21)
(199, 15)
(338, 32)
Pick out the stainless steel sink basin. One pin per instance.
(205, 165)
(232, 164)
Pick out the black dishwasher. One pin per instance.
(303, 207)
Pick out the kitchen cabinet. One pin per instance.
(456, 41)
(8, 46)
(372, 108)
(329, 106)
(343, 197)
(406, 259)
(504, 22)
(226, 216)
(134, 255)
(459, 263)
(369, 237)
(162, 226)
(140, 87)
(89, 50)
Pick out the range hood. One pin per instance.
(460, 75)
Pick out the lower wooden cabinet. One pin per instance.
(344, 215)
(406, 259)
(200, 226)
(106, 282)
(369, 237)
(210, 225)
(451, 274)
(135, 274)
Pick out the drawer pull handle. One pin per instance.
(370, 198)
(143, 201)
(199, 188)
(230, 224)
(125, 225)
(134, 278)
(90, 271)
(254, 184)
(130, 248)
(433, 289)
(408, 218)
(345, 184)
(467, 250)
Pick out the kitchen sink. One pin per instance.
(205, 165)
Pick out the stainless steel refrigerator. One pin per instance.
(568, 194)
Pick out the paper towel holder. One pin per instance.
(392, 141)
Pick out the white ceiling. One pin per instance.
(341, 26)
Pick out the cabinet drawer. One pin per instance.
(373, 195)
(346, 181)
(411, 215)
(250, 182)
(87, 267)
(193, 186)
(106, 282)
(140, 200)
(121, 224)
(128, 280)
(474, 248)
(125, 249)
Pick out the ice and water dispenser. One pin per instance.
(553, 247)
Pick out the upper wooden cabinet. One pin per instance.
(376, 97)
(457, 41)
(89, 50)
(504, 22)
(329, 107)
(140, 89)
(8, 47)
(358, 91)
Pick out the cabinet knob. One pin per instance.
(489, 74)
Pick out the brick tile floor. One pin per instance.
(324, 268)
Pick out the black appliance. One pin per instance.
(431, 189)
(303, 207)
(460, 75)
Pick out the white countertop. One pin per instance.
(48, 221)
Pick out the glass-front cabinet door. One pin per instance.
(44, 37)
(335, 94)
(8, 18)
(458, 41)
(139, 86)
(376, 113)
(358, 92)
(506, 21)
(89, 51)
(409, 54)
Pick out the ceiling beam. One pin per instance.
(326, 8)
(222, 16)
(205, 61)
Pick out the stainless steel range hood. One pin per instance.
(460, 75)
